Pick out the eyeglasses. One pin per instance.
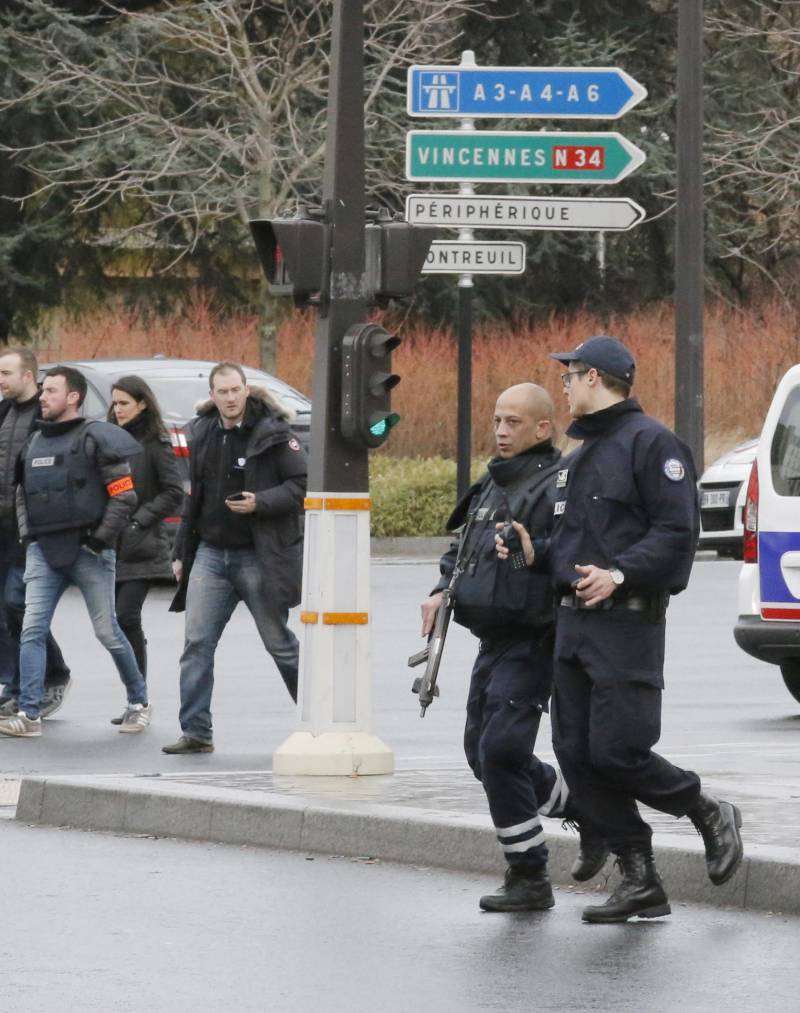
(566, 378)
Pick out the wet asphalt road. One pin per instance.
(723, 711)
(96, 922)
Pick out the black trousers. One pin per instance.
(12, 602)
(509, 688)
(606, 718)
(129, 596)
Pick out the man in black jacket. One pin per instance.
(240, 539)
(510, 609)
(19, 410)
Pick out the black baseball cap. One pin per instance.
(607, 354)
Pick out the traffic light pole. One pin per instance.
(335, 703)
(689, 260)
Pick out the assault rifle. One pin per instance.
(431, 654)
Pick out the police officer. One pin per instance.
(624, 541)
(74, 498)
(510, 608)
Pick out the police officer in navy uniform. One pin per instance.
(510, 608)
(624, 541)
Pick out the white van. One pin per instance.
(768, 627)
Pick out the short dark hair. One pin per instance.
(612, 383)
(226, 366)
(140, 390)
(27, 358)
(74, 379)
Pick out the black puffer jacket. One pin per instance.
(275, 470)
(143, 550)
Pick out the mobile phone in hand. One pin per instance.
(235, 496)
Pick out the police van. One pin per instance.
(768, 627)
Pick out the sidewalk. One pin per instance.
(430, 817)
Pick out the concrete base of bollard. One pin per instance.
(331, 754)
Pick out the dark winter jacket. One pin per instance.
(16, 422)
(275, 470)
(143, 550)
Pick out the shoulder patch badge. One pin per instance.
(561, 478)
(673, 469)
(293, 444)
(559, 508)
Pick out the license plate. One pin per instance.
(715, 499)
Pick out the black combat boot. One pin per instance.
(718, 824)
(592, 854)
(640, 892)
(523, 890)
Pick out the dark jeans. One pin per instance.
(12, 613)
(507, 693)
(605, 723)
(129, 596)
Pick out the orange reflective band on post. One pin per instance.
(309, 617)
(345, 618)
(120, 485)
(312, 504)
(348, 504)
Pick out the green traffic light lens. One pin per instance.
(382, 426)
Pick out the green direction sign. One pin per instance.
(517, 156)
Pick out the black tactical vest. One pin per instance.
(64, 489)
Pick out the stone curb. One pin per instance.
(768, 880)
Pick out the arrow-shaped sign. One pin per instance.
(562, 214)
(519, 156)
(532, 92)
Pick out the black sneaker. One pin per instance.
(188, 745)
(53, 699)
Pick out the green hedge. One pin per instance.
(413, 495)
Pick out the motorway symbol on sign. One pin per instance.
(519, 156)
(533, 92)
(468, 257)
(563, 214)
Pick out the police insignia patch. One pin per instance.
(559, 508)
(561, 478)
(293, 444)
(674, 470)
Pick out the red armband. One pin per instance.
(120, 485)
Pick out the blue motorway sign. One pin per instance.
(584, 93)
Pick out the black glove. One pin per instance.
(93, 544)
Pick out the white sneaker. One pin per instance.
(21, 726)
(136, 717)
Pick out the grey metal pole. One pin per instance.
(336, 465)
(464, 451)
(689, 263)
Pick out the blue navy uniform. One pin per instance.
(626, 499)
(510, 608)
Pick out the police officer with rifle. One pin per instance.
(510, 609)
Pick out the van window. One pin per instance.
(785, 449)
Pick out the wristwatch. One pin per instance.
(616, 575)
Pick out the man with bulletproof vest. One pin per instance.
(19, 410)
(626, 531)
(74, 497)
(510, 609)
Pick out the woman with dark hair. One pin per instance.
(143, 551)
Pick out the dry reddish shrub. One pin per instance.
(746, 352)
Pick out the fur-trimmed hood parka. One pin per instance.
(275, 470)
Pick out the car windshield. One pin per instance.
(179, 396)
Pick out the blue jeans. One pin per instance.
(219, 580)
(94, 575)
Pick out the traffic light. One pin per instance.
(291, 251)
(395, 255)
(367, 383)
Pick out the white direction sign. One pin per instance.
(563, 214)
(472, 257)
